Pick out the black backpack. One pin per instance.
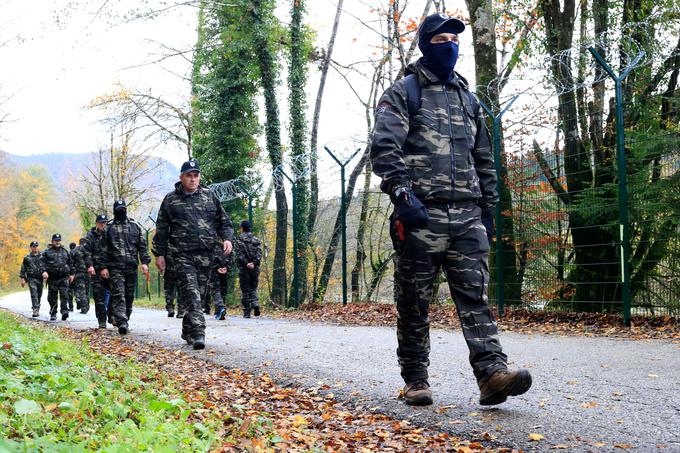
(414, 101)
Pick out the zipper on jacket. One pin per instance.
(451, 150)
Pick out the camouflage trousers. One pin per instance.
(57, 290)
(248, 280)
(455, 241)
(99, 288)
(71, 294)
(215, 293)
(79, 288)
(170, 288)
(193, 272)
(35, 286)
(122, 283)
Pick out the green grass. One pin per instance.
(57, 395)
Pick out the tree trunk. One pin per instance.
(361, 233)
(484, 43)
(313, 179)
(268, 78)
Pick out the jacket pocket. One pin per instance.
(419, 170)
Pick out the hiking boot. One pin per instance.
(36, 312)
(53, 317)
(123, 329)
(64, 316)
(503, 383)
(199, 342)
(180, 314)
(220, 313)
(102, 324)
(186, 337)
(171, 314)
(418, 393)
(257, 311)
(246, 314)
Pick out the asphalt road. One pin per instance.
(589, 394)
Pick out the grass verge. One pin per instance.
(58, 395)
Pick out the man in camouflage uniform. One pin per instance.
(31, 273)
(71, 288)
(170, 289)
(220, 267)
(189, 222)
(248, 256)
(125, 247)
(82, 261)
(58, 273)
(437, 166)
(95, 245)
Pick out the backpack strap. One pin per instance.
(474, 103)
(413, 100)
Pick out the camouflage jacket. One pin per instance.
(125, 245)
(248, 249)
(96, 243)
(57, 262)
(81, 259)
(190, 222)
(443, 152)
(32, 267)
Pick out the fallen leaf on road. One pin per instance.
(617, 394)
(623, 446)
(599, 444)
(589, 405)
(653, 376)
(536, 437)
(559, 447)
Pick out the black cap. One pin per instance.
(246, 225)
(72, 245)
(440, 23)
(56, 237)
(119, 204)
(189, 166)
(101, 218)
(34, 243)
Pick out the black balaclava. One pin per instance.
(120, 214)
(440, 59)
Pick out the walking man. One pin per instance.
(125, 247)
(71, 289)
(431, 148)
(248, 256)
(220, 266)
(95, 246)
(31, 273)
(170, 289)
(190, 222)
(58, 273)
(82, 261)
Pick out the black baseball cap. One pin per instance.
(189, 166)
(34, 243)
(119, 204)
(56, 237)
(101, 218)
(440, 23)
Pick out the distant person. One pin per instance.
(58, 273)
(71, 290)
(82, 261)
(171, 290)
(190, 223)
(248, 256)
(431, 148)
(220, 267)
(32, 269)
(125, 248)
(95, 245)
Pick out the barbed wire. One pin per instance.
(634, 44)
(237, 188)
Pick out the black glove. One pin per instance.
(487, 221)
(409, 210)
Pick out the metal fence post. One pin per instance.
(624, 226)
(343, 215)
(296, 283)
(500, 279)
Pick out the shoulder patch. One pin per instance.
(381, 108)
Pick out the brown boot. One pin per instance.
(418, 393)
(503, 383)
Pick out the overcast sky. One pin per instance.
(65, 57)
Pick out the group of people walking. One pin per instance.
(193, 248)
